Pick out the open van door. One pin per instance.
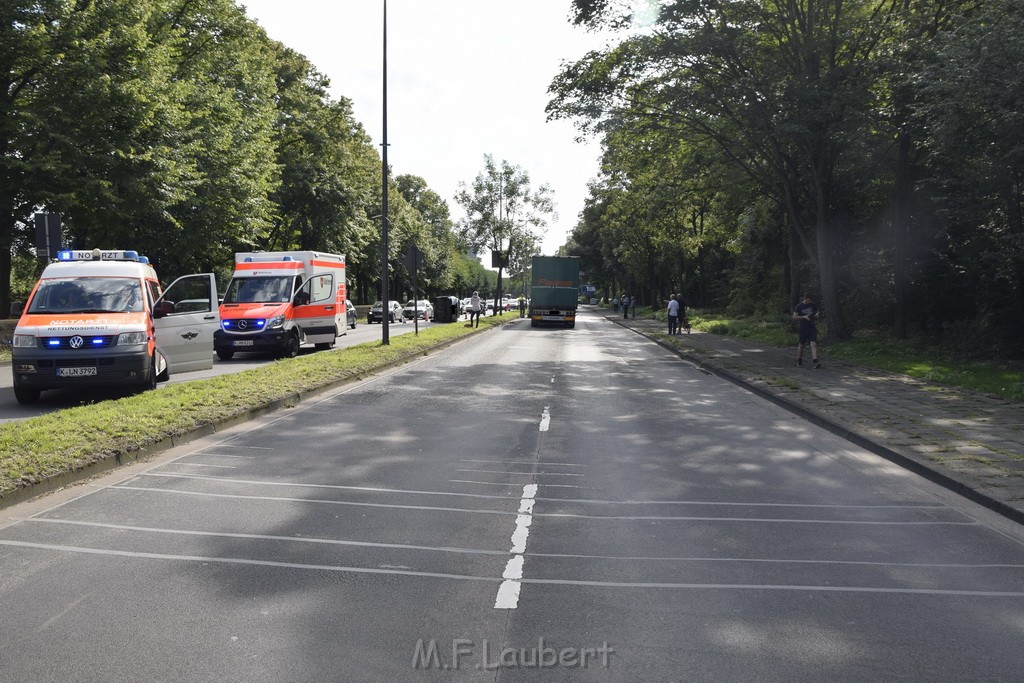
(185, 318)
(317, 309)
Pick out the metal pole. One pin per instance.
(384, 285)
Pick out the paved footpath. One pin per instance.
(970, 442)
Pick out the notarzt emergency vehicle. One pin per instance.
(278, 300)
(99, 318)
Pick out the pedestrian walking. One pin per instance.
(673, 314)
(684, 322)
(522, 306)
(615, 304)
(807, 312)
(625, 306)
(474, 309)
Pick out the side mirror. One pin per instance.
(301, 299)
(17, 307)
(163, 309)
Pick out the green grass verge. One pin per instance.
(71, 439)
(875, 349)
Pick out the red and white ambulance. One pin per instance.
(278, 300)
(100, 318)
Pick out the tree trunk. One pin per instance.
(793, 267)
(901, 229)
(6, 239)
(837, 329)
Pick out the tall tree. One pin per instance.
(503, 211)
(782, 88)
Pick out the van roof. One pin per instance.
(98, 269)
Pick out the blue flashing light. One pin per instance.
(65, 255)
(287, 258)
(251, 325)
(134, 255)
(53, 342)
(247, 259)
(98, 341)
(143, 260)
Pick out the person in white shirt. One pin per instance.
(673, 314)
(474, 309)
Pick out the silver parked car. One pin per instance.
(422, 308)
(377, 313)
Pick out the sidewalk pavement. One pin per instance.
(966, 441)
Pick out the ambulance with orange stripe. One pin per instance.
(100, 318)
(278, 300)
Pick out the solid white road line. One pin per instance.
(508, 590)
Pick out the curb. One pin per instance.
(826, 423)
(112, 461)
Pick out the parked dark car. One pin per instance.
(351, 311)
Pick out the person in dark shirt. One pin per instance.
(806, 312)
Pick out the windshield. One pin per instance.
(377, 304)
(250, 290)
(88, 295)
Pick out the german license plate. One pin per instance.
(242, 342)
(76, 372)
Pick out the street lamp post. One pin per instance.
(384, 285)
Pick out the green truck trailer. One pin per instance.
(555, 290)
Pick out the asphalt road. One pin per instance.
(525, 500)
(54, 400)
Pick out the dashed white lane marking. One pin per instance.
(545, 419)
(508, 591)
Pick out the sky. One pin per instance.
(465, 78)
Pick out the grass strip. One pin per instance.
(872, 348)
(68, 440)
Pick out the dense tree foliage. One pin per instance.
(179, 129)
(505, 214)
(865, 149)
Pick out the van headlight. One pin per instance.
(276, 323)
(131, 338)
(24, 341)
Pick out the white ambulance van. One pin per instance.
(100, 318)
(278, 300)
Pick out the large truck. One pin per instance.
(555, 290)
(279, 300)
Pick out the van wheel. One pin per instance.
(225, 354)
(150, 384)
(26, 395)
(292, 349)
